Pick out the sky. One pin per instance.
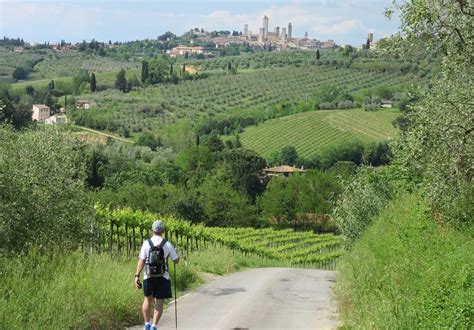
(345, 21)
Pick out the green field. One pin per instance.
(55, 64)
(259, 93)
(312, 132)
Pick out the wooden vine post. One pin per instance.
(111, 236)
(127, 240)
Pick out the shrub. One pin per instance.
(360, 202)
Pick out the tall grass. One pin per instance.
(408, 271)
(91, 291)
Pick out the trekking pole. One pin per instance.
(175, 303)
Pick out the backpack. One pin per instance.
(156, 261)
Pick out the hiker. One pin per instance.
(156, 278)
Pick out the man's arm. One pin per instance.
(140, 265)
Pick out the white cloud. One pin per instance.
(342, 27)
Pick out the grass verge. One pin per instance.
(91, 291)
(408, 271)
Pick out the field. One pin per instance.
(52, 64)
(312, 132)
(256, 94)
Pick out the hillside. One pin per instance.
(255, 94)
(312, 132)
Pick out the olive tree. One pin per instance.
(438, 146)
(43, 201)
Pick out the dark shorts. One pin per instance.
(158, 287)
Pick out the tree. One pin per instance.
(80, 81)
(244, 169)
(147, 139)
(19, 74)
(30, 90)
(437, 148)
(367, 44)
(93, 82)
(145, 73)
(288, 155)
(318, 55)
(51, 85)
(158, 69)
(43, 197)
(121, 81)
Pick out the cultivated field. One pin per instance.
(312, 132)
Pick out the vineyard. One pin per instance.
(123, 230)
(312, 132)
(254, 93)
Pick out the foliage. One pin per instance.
(361, 200)
(300, 201)
(93, 82)
(19, 74)
(121, 81)
(417, 270)
(244, 169)
(79, 81)
(438, 144)
(43, 200)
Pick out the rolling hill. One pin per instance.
(312, 132)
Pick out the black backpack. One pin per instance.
(156, 261)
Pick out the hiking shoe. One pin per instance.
(153, 327)
(147, 326)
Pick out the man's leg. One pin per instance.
(146, 308)
(158, 310)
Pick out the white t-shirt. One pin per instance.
(167, 248)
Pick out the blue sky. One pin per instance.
(345, 21)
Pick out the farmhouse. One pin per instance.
(56, 120)
(183, 50)
(386, 104)
(83, 104)
(284, 170)
(41, 112)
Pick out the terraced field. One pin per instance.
(312, 132)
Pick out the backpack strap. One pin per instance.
(150, 242)
(162, 243)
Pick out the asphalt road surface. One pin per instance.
(265, 298)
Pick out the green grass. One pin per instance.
(312, 132)
(85, 291)
(408, 271)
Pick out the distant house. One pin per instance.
(18, 49)
(183, 50)
(284, 170)
(386, 104)
(56, 120)
(83, 104)
(41, 112)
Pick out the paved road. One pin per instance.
(266, 298)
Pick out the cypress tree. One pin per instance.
(121, 81)
(93, 82)
(145, 72)
(318, 55)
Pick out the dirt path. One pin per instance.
(103, 134)
(265, 298)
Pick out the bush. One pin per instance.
(360, 202)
